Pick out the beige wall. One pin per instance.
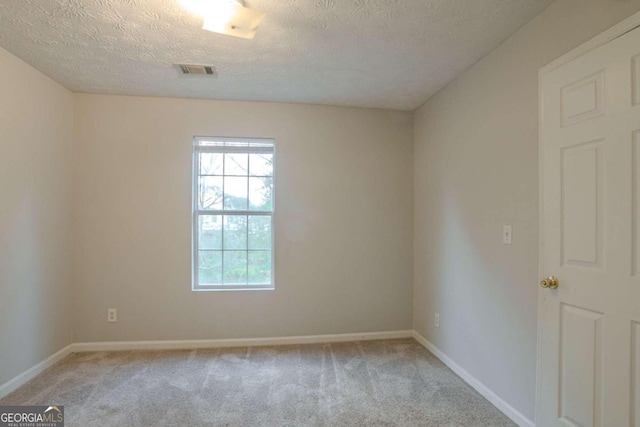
(476, 168)
(36, 133)
(343, 220)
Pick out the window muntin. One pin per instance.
(233, 213)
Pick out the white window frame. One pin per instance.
(262, 145)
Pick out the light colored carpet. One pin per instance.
(372, 383)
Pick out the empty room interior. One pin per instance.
(320, 213)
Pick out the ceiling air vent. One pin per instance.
(197, 69)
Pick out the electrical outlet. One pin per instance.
(506, 234)
(112, 315)
(437, 320)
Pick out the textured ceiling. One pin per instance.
(371, 53)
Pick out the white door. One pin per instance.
(589, 354)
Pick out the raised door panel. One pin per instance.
(635, 70)
(635, 374)
(580, 366)
(635, 201)
(582, 174)
(583, 100)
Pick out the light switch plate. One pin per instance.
(507, 234)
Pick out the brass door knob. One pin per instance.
(550, 282)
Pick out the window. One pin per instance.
(233, 213)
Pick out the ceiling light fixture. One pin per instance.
(228, 17)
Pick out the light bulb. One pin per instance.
(207, 7)
(228, 17)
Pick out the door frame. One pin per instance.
(629, 24)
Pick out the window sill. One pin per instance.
(232, 288)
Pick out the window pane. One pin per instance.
(236, 164)
(235, 267)
(235, 193)
(211, 163)
(210, 192)
(260, 194)
(210, 232)
(260, 232)
(235, 232)
(261, 164)
(209, 267)
(260, 267)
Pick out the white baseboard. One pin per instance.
(32, 372)
(240, 342)
(496, 400)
